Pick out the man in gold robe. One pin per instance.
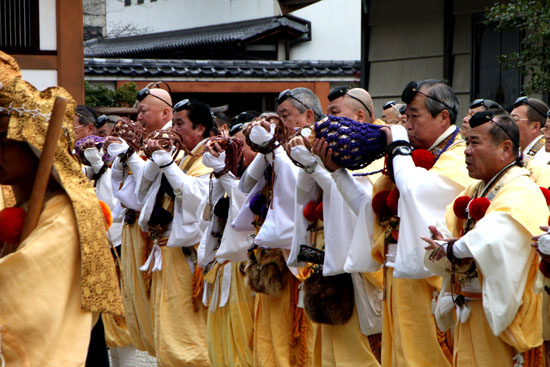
(57, 279)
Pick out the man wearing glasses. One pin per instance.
(298, 107)
(530, 116)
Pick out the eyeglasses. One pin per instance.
(412, 89)
(184, 104)
(343, 91)
(517, 119)
(388, 105)
(525, 101)
(142, 94)
(482, 117)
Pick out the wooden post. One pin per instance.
(44, 167)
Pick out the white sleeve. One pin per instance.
(461, 251)
(117, 175)
(423, 198)
(189, 192)
(145, 179)
(253, 173)
(93, 155)
(188, 188)
(351, 190)
(501, 249)
(229, 182)
(135, 163)
(278, 228)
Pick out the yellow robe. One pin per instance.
(41, 321)
(180, 331)
(230, 327)
(342, 345)
(475, 343)
(405, 340)
(274, 322)
(136, 289)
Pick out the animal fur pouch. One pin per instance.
(328, 300)
(267, 272)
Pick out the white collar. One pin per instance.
(450, 130)
(531, 144)
(167, 125)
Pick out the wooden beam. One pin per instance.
(36, 61)
(70, 48)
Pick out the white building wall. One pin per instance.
(335, 31)
(41, 79)
(48, 25)
(167, 15)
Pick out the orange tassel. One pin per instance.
(298, 343)
(446, 344)
(533, 357)
(375, 343)
(197, 284)
(106, 213)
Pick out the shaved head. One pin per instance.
(363, 96)
(155, 110)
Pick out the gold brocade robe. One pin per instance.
(41, 319)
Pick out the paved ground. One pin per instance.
(145, 360)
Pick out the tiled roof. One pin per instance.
(236, 33)
(223, 69)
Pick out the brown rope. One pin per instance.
(167, 139)
(279, 138)
(233, 148)
(129, 131)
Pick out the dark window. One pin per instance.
(153, 1)
(489, 78)
(140, 2)
(19, 31)
(127, 2)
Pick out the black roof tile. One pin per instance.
(287, 26)
(219, 68)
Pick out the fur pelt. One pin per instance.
(329, 300)
(266, 272)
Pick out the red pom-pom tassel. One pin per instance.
(379, 205)
(392, 200)
(319, 211)
(11, 224)
(423, 158)
(459, 206)
(478, 208)
(546, 194)
(309, 211)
